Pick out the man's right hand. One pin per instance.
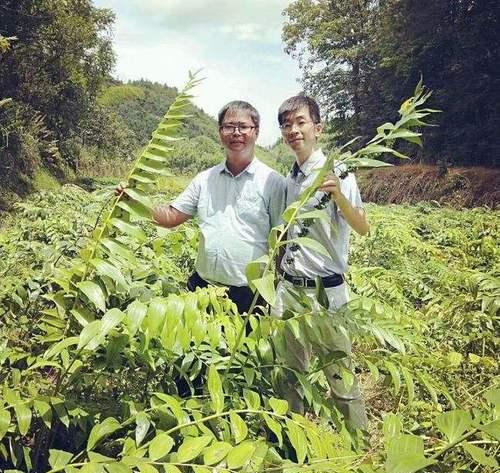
(120, 189)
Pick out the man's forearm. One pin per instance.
(354, 216)
(169, 217)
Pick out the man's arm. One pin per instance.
(169, 217)
(354, 216)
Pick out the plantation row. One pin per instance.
(147, 387)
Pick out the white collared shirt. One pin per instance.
(305, 261)
(235, 214)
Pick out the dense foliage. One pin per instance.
(59, 55)
(359, 58)
(106, 366)
(427, 276)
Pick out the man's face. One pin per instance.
(238, 139)
(300, 132)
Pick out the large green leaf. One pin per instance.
(216, 453)
(130, 229)
(140, 196)
(142, 424)
(54, 350)
(238, 427)
(44, 411)
(454, 423)
(192, 447)
(395, 376)
(59, 458)
(297, 439)
(312, 244)
(23, 417)
(135, 208)
(105, 268)
(405, 454)
(89, 335)
(240, 455)
(94, 294)
(155, 317)
(117, 468)
(160, 446)
(366, 163)
(479, 455)
(4, 421)
(279, 406)
(110, 320)
(254, 270)
(252, 399)
(171, 468)
(135, 316)
(392, 427)
(290, 211)
(265, 287)
(101, 430)
(320, 214)
(215, 389)
(115, 248)
(372, 149)
(493, 429)
(275, 427)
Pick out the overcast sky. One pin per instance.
(237, 43)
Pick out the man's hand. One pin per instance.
(331, 185)
(354, 216)
(120, 189)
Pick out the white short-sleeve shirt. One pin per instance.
(307, 262)
(236, 214)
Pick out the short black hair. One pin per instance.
(237, 105)
(298, 101)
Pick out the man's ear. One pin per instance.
(318, 129)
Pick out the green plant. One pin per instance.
(128, 373)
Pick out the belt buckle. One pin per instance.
(298, 281)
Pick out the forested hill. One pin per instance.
(136, 108)
(141, 104)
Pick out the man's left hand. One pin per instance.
(331, 185)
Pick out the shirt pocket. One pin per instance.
(251, 207)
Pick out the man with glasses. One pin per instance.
(299, 120)
(236, 202)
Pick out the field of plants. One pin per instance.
(108, 365)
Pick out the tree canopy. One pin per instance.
(360, 58)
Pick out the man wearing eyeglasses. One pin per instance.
(237, 203)
(300, 123)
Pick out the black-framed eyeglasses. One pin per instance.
(287, 127)
(230, 129)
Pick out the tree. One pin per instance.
(332, 40)
(455, 45)
(361, 58)
(62, 55)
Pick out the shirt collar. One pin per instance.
(316, 158)
(250, 169)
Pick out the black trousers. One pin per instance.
(241, 296)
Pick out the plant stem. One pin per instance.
(453, 444)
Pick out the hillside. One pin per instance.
(138, 107)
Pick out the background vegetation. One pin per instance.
(108, 365)
(359, 58)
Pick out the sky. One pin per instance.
(236, 43)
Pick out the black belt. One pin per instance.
(328, 281)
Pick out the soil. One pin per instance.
(455, 186)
